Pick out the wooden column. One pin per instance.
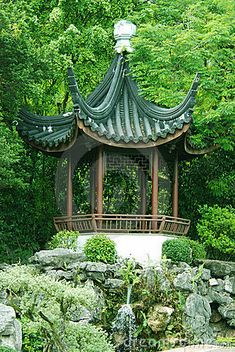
(92, 187)
(69, 191)
(175, 187)
(100, 179)
(154, 186)
(143, 191)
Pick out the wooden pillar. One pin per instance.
(143, 191)
(100, 179)
(175, 187)
(69, 192)
(92, 188)
(154, 186)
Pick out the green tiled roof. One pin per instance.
(115, 111)
(47, 131)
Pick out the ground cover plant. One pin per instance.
(51, 312)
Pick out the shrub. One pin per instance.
(216, 228)
(64, 239)
(100, 248)
(198, 250)
(45, 307)
(6, 349)
(178, 250)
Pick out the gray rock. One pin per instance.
(220, 268)
(228, 313)
(229, 284)
(202, 288)
(61, 274)
(180, 268)
(153, 274)
(96, 267)
(57, 258)
(184, 282)
(197, 318)
(159, 317)
(113, 284)
(213, 282)
(222, 298)
(10, 328)
(206, 274)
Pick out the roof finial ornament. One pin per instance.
(123, 31)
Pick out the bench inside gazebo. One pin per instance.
(116, 128)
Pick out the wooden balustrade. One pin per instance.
(123, 223)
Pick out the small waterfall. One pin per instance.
(128, 299)
(124, 329)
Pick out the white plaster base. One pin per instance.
(146, 249)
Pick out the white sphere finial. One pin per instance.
(123, 31)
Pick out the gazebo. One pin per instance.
(114, 126)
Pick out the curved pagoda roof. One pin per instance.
(114, 114)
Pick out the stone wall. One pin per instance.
(209, 288)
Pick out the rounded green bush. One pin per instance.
(198, 250)
(100, 248)
(64, 239)
(178, 250)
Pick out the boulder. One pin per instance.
(220, 268)
(10, 328)
(159, 317)
(96, 267)
(229, 284)
(197, 318)
(56, 258)
(228, 313)
(96, 271)
(206, 274)
(184, 282)
(221, 298)
(113, 284)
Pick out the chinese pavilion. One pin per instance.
(116, 121)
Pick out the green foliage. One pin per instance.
(179, 39)
(130, 272)
(183, 250)
(39, 40)
(46, 307)
(150, 292)
(206, 180)
(216, 228)
(198, 250)
(6, 349)
(100, 248)
(178, 250)
(64, 239)
(86, 338)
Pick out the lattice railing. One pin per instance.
(123, 223)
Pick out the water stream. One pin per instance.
(124, 327)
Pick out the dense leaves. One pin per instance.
(217, 230)
(40, 39)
